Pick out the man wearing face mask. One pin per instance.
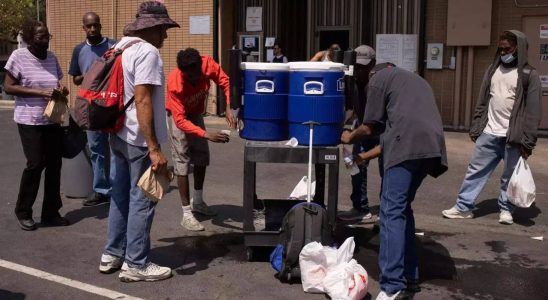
(187, 90)
(504, 126)
(83, 56)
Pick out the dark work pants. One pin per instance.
(42, 145)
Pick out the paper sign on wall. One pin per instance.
(254, 18)
(544, 31)
(199, 24)
(399, 49)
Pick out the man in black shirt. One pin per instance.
(401, 106)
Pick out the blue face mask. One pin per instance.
(507, 58)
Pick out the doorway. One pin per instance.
(329, 37)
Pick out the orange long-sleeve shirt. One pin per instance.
(185, 99)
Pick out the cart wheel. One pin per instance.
(288, 276)
(249, 253)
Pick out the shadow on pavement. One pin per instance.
(486, 207)
(522, 216)
(7, 295)
(228, 216)
(99, 212)
(190, 254)
(435, 262)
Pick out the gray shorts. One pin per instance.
(187, 149)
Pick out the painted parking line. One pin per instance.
(66, 281)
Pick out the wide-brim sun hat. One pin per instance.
(150, 14)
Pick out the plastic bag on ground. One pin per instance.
(318, 262)
(346, 281)
(521, 187)
(314, 261)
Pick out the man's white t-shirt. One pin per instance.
(142, 64)
(503, 96)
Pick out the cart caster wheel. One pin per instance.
(249, 253)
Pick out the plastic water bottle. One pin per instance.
(354, 169)
(349, 160)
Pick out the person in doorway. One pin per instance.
(401, 106)
(34, 77)
(187, 90)
(83, 56)
(136, 147)
(326, 55)
(504, 126)
(365, 61)
(279, 57)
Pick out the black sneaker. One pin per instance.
(27, 224)
(96, 199)
(55, 221)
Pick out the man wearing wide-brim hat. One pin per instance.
(136, 147)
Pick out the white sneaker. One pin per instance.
(259, 219)
(505, 217)
(110, 263)
(150, 272)
(384, 296)
(454, 213)
(189, 222)
(202, 208)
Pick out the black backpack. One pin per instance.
(303, 223)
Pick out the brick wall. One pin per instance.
(505, 15)
(65, 24)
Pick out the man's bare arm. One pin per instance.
(143, 103)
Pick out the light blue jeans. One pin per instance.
(98, 146)
(489, 151)
(131, 213)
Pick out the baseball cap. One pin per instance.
(364, 54)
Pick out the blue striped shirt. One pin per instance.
(34, 73)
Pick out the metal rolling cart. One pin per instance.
(268, 152)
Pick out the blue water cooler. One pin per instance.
(316, 93)
(265, 101)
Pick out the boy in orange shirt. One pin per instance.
(187, 90)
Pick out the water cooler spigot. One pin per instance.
(338, 56)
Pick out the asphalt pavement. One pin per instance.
(459, 259)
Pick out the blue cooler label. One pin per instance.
(340, 84)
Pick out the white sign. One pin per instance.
(254, 19)
(269, 41)
(399, 49)
(269, 55)
(199, 24)
(544, 31)
(544, 81)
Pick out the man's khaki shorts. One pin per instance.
(187, 149)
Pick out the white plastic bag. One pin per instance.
(521, 188)
(346, 281)
(333, 271)
(313, 265)
(301, 189)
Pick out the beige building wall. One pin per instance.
(65, 24)
(505, 15)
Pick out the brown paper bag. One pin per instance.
(56, 111)
(155, 185)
